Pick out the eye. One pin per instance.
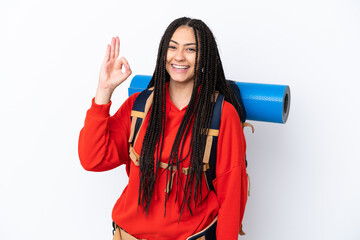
(172, 47)
(191, 49)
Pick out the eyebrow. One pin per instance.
(187, 44)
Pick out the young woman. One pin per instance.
(167, 195)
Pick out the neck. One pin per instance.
(180, 93)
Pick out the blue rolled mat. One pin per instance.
(262, 102)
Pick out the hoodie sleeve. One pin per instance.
(103, 141)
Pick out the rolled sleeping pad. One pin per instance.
(262, 102)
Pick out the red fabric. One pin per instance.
(103, 145)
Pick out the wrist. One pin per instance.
(103, 96)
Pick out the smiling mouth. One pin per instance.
(180, 66)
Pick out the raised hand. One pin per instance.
(111, 73)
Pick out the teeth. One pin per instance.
(180, 67)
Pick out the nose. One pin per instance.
(179, 56)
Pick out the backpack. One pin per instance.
(140, 109)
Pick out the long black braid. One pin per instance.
(209, 75)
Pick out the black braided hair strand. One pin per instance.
(209, 76)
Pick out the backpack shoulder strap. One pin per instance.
(209, 160)
(139, 111)
(212, 138)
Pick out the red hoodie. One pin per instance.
(103, 145)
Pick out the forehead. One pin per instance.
(184, 34)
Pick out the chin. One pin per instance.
(181, 80)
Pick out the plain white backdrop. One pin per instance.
(305, 177)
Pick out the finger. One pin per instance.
(117, 47)
(128, 71)
(112, 54)
(124, 61)
(126, 66)
(118, 64)
(107, 53)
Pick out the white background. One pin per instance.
(304, 175)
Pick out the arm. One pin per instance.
(103, 139)
(231, 179)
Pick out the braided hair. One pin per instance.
(209, 78)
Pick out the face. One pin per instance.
(180, 61)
